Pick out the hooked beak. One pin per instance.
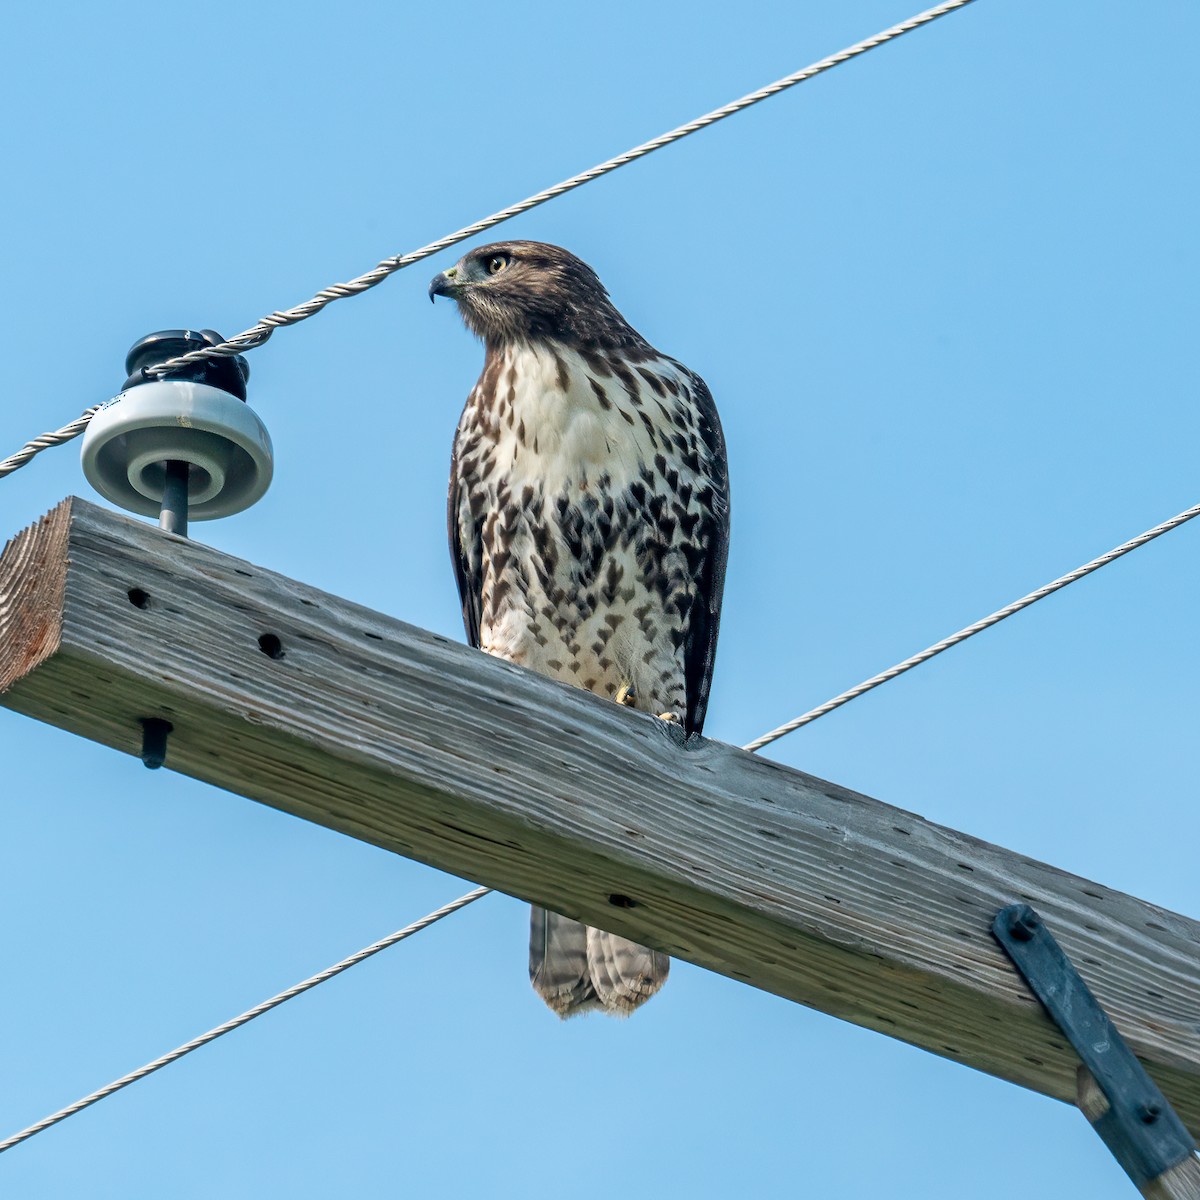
(443, 284)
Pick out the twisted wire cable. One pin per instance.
(971, 630)
(236, 1022)
(258, 333)
(57, 438)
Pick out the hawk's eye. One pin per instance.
(497, 263)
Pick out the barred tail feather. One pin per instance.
(558, 966)
(624, 974)
(576, 969)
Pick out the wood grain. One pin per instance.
(435, 751)
(1180, 1182)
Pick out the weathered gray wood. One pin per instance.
(1180, 1182)
(432, 750)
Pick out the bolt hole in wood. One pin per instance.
(271, 646)
(139, 598)
(619, 901)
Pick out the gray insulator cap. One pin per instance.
(193, 420)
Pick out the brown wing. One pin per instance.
(470, 585)
(712, 547)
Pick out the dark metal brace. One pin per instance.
(1140, 1128)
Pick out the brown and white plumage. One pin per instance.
(589, 527)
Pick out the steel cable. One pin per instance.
(237, 1022)
(971, 630)
(259, 332)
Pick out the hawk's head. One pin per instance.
(528, 291)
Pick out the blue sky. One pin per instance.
(945, 298)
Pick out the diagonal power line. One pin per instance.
(237, 1022)
(258, 333)
(971, 630)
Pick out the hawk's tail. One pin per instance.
(576, 968)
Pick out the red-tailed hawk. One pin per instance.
(589, 526)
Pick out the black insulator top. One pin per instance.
(228, 374)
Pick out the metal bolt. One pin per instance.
(174, 515)
(1149, 1113)
(1024, 926)
(154, 741)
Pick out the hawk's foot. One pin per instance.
(626, 695)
